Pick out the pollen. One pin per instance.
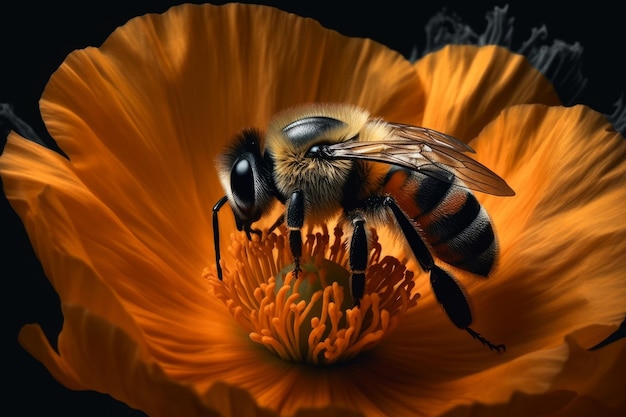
(312, 318)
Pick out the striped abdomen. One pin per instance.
(453, 222)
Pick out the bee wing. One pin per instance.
(426, 151)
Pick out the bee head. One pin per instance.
(245, 177)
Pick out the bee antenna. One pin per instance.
(216, 234)
(498, 348)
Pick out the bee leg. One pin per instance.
(295, 221)
(249, 231)
(358, 259)
(277, 223)
(246, 227)
(216, 234)
(451, 296)
(448, 292)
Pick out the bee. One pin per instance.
(324, 160)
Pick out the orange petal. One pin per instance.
(162, 303)
(72, 230)
(467, 86)
(596, 377)
(590, 383)
(94, 354)
(129, 329)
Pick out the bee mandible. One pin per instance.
(321, 160)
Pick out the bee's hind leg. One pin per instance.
(448, 291)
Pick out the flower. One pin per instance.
(122, 226)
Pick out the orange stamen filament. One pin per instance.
(311, 318)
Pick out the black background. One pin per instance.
(35, 38)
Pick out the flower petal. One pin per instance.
(166, 309)
(590, 383)
(467, 86)
(94, 354)
(596, 377)
(122, 334)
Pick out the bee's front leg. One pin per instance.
(295, 221)
(250, 231)
(279, 222)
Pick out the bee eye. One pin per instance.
(242, 183)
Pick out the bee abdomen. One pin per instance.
(416, 193)
(452, 221)
(460, 233)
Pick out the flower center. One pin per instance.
(311, 318)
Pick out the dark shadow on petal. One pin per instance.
(620, 333)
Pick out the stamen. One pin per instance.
(311, 319)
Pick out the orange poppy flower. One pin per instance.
(122, 227)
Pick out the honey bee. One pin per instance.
(325, 160)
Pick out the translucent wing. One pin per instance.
(426, 151)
